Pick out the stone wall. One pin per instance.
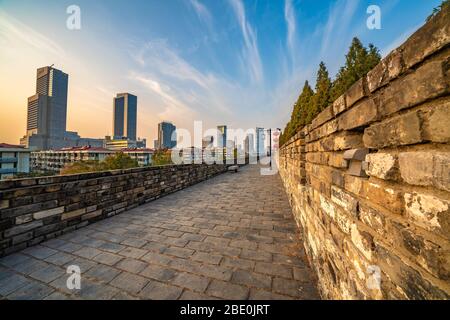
(369, 179)
(34, 210)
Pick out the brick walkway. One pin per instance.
(230, 237)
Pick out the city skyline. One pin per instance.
(185, 80)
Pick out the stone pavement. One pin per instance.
(231, 237)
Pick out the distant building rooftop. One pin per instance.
(7, 145)
(138, 150)
(86, 148)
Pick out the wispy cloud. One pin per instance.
(202, 12)
(289, 16)
(13, 30)
(250, 51)
(339, 19)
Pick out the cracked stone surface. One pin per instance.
(230, 237)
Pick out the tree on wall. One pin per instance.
(162, 157)
(359, 61)
(445, 5)
(321, 98)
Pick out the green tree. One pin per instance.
(119, 160)
(321, 98)
(112, 162)
(359, 61)
(161, 157)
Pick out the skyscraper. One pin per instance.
(222, 136)
(165, 131)
(125, 116)
(47, 110)
(260, 140)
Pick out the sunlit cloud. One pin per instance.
(202, 12)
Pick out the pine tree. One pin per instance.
(302, 105)
(359, 61)
(321, 98)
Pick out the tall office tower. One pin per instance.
(222, 136)
(260, 138)
(165, 131)
(249, 143)
(125, 116)
(47, 110)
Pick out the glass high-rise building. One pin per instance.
(222, 136)
(260, 142)
(165, 131)
(125, 116)
(47, 110)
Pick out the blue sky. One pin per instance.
(234, 62)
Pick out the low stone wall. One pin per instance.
(369, 179)
(34, 210)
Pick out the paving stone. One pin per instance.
(274, 269)
(60, 258)
(207, 257)
(257, 294)
(157, 258)
(82, 263)
(87, 252)
(251, 279)
(288, 287)
(256, 255)
(48, 274)
(102, 273)
(179, 252)
(95, 291)
(160, 291)
(158, 273)
(191, 281)
(129, 282)
(133, 242)
(31, 291)
(109, 259)
(12, 283)
(111, 247)
(226, 290)
(39, 252)
(56, 295)
(70, 247)
(191, 295)
(237, 263)
(131, 252)
(131, 265)
(13, 259)
(155, 246)
(30, 266)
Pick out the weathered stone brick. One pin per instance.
(92, 214)
(388, 69)
(321, 118)
(48, 213)
(383, 165)
(433, 36)
(355, 93)
(24, 219)
(345, 200)
(429, 212)
(373, 218)
(339, 105)
(424, 168)
(384, 195)
(336, 159)
(22, 228)
(4, 204)
(429, 81)
(413, 285)
(363, 241)
(359, 115)
(436, 123)
(346, 140)
(400, 130)
(73, 214)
